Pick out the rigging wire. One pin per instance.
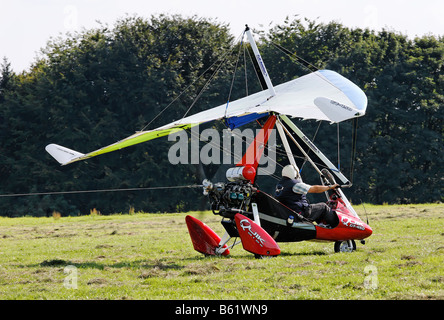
(202, 90)
(353, 152)
(234, 73)
(294, 57)
(307, 65)
(95, 191)
(339, 149)
(312, 140)
(245, 69)
(211, 78)
(220, 61)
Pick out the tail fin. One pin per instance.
(63, 155)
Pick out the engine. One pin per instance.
(225, 198)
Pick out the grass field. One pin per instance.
(150, 256)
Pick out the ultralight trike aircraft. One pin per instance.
(249, 214)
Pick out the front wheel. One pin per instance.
(345, 246)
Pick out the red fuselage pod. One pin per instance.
(204, 239)
(255, 239)
(349, 228)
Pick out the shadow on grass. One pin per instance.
(137, 264)
(162, 264)
(248, 255)
(309, 253)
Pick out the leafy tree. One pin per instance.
(98, 86)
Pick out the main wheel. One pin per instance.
(345, 246)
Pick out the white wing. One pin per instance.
(321, 95)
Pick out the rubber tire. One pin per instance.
(345, 246)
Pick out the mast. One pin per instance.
(260, 61)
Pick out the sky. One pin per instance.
(27, 25)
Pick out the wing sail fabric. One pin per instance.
(321, 95)
(66, 156)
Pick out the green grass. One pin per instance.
(150, 256)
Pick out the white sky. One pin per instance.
(27, 25)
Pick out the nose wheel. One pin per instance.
(345, 246)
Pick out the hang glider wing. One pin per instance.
(321, 95)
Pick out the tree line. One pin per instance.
(92, 88)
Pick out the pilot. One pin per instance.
(291, 192)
